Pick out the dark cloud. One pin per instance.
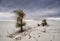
(33, 8)
(0, 1)
(29, 4)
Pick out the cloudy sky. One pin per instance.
(33, 8)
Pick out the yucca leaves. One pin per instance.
(19, 25)
(20, 13)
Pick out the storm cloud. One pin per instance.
(32, 8)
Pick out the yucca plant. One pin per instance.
(44, 22)
(20, 15)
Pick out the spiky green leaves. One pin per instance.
(19, 24)
(20, 13)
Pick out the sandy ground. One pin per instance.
(36, 33)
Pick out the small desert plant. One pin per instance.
(44, 22)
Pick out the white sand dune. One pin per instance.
(36, 33)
